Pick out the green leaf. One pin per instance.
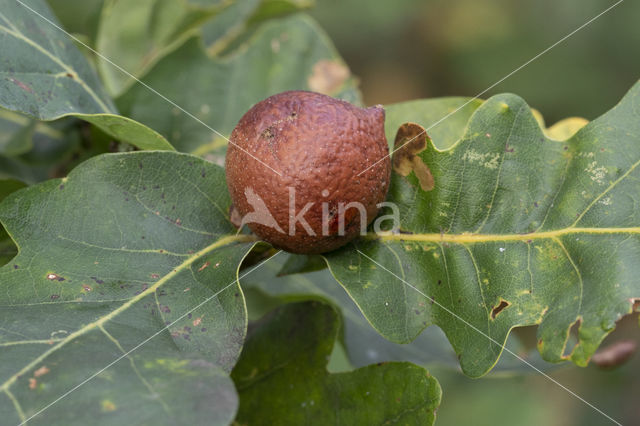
(43, 74)
(235, 20)
(363, 344)
(135, 35)
(281, 377)
(16, 133)
(78, 17)
(271, 8)
(207, 3)
(300, 263)
(128, 130)
(109, 256)
(218, 91)
(520, 229)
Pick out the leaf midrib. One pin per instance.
(471, 238)
(102, 320)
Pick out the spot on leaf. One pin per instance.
(107, 406)
(41, 371)
(54, 277)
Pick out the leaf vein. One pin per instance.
(499, 174)
(19, 36)
(154, 394)
(16, 405)
(575, 267)
(611, 186)
(102, 320)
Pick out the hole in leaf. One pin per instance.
(8, 249)
(622, 342)
(527, 336)
(572, 338)
(501, 306)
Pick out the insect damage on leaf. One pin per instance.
(54, 277)
(411, 139)
(499, 308)
(95, 294)
(516, 216)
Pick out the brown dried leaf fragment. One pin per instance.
(615, 354)
(411, 139)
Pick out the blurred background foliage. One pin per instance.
(513, 393)
(529, 399)
(408, 49)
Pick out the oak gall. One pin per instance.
(307, 169)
